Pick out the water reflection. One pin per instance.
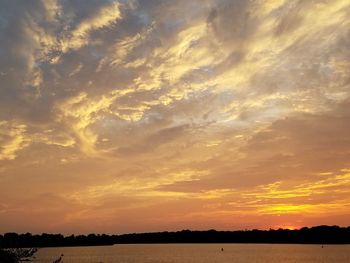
(199, 253)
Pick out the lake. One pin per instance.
(199, 253)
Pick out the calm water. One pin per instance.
(199, 253)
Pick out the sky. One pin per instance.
(148, 115)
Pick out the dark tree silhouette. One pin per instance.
(313, 235)
(14, 255)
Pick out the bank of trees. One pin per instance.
(316, 235)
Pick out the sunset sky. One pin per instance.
(137, 116)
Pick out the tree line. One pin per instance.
(305, 235)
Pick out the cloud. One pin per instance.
(292, 149)
(106, 16)
(12, 139)
(79, 113)
(203, 105)
(153, 141)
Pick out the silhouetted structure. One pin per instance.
(313, 235)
